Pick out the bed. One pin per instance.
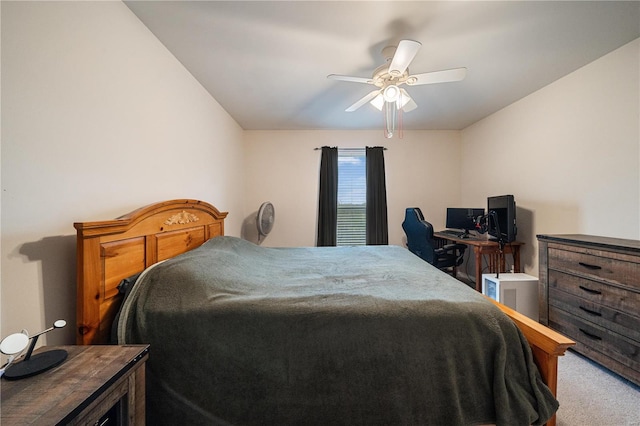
(360, 348)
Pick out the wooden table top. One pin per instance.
(64, 391)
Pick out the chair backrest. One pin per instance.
(419, 234)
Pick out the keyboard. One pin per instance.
(459, 234)
(453, 232)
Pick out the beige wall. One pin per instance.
(570, 153)
(98, 118)
(422, 170)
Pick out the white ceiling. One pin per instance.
(266, 62)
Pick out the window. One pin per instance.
(352, 196)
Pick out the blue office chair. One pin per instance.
(420, 242)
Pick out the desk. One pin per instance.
(483, 246)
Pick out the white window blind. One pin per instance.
(352, 197)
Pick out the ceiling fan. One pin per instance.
(394, 73)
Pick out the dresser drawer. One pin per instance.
(613, 345)
(604, 316)
(614, 297)
(594, 266)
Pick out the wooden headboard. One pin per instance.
(109, 251)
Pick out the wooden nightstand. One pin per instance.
(95, 385)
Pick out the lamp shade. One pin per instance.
(391, 93)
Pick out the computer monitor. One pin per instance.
(462, 218)
(504, 207)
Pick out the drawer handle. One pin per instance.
(588, 266)
(591, 336)
(588, 290)
(589, 311)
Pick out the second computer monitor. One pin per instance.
(462, 218)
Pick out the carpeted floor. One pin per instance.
(590, 395)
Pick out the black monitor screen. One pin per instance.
(504, 207)
(461, 218)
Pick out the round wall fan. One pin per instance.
(394, 73)
(265, 220)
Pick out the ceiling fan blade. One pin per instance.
(406, 51)
(406, 103)
(363, 101)
(349, 78)
(444, 76)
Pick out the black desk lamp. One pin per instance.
(31, 365)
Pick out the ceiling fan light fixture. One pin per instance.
(391, 93)
(406, 104)
(403, 99)
(378, 102)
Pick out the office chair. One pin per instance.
(420, 242)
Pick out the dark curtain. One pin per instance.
(377, 227)
(328, 198)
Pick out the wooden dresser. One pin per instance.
(590, 292)
(101, 385)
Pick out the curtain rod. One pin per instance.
(318, 149)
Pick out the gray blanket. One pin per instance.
(247, 335)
